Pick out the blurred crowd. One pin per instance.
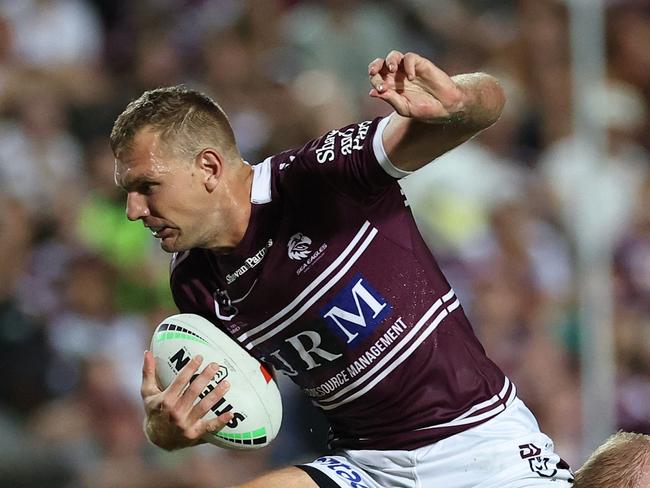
(81, 288)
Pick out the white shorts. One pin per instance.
(507, 451)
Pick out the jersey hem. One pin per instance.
(414, 439)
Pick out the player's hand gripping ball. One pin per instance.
(253, 397)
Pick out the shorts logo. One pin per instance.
(356, 310)
(298, 246)
(343, 471)
(538, 464)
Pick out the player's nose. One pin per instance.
(136, 206)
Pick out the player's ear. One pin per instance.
(210, 163)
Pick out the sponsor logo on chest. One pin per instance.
(343, 141)
(356, 310)
(345, 321)
(249, 263)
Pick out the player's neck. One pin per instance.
(236, 219)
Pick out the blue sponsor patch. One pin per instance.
(356, 310)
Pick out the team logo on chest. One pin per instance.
(298, 246)
(299, 249)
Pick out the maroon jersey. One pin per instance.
(333, 285)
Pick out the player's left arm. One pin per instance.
(434, 112)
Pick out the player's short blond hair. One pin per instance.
(186, 120)
(621, 462)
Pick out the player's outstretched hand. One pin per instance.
(173, 420)
(415, 87)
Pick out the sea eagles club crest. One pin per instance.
(298, 246)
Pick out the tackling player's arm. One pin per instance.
(434, 112)
(172, 418)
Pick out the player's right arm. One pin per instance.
(172, 419)
(434, 112)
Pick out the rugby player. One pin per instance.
(311, 260)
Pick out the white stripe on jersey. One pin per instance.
(453, 306)
(306, 291)
(379, 370)
(466, 418)
(317, 295)
(486, 403)
(246, 337)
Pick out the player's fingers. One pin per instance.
(216, 424)
(379, 83)
(399, 103)
(410, 63)
(206, 403)
(183, 378)
(393, 60)
(433, 76)
(375, 66)
(149, 386)
(196, 387)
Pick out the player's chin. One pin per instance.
(173, 244)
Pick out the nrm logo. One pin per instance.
(356, 310)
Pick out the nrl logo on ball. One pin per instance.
(298, 246)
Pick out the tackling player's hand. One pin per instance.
(173, 420)
(416, 88)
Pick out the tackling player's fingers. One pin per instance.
(207, 402)
(149, 386)
(177, 386)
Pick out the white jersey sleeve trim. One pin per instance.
(380, 152)
(261, 191)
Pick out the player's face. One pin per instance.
(167, 194)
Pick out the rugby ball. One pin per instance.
(253, 397)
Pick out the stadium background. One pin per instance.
(81, 288)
